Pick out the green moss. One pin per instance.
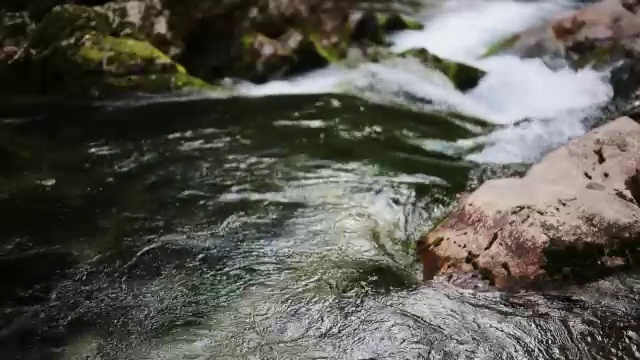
(463, 76)
(123, 56)
(329, 53)
(501, 46)
(396, 22)
(599, 56)
(75, 50)
(154, 83)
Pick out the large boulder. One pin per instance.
(603, 35)
(574, 217)
(586, 36)
(80, 50)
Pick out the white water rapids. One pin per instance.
(514, 89)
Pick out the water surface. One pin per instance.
(279, 224)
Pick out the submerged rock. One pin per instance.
(463, 76)
(574, 217)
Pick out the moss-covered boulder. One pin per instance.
(74, 51)
(105, 65)
(463, 76)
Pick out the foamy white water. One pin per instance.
(513, 89)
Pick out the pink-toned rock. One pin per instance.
(574, 217)
(8, 52)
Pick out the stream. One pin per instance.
(279, 223)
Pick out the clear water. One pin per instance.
(279, 223)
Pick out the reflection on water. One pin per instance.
(271, 228)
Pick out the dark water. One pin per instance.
(270, 228)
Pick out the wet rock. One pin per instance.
(72, 51)
(604, 35)
(371, 26)
(572, 218)
(265, 58)
(257, 40)
(145, 20)
(307, 34)
(598, 35)
(463, 76)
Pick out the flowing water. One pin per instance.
(279, 223)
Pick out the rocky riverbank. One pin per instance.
(104, 48)
(574, 217)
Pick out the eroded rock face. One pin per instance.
(574, 217)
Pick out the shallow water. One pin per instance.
(280, 224)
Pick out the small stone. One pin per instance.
(47, 182)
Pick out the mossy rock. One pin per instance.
(263, 58)
(397, 22)
(121, 56)
(330, 52)
(463, 76)
(74, 51)
(129, 65)
(64, 22)
(373, 27)
(100, 65)
(501, 46)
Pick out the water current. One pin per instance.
(278, 223)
